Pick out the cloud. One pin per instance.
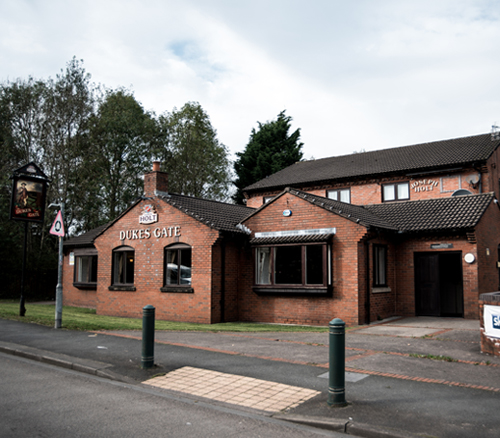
(353, 75)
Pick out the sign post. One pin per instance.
(29, 188)
(57, 229)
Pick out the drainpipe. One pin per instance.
(223, 280)
(368, 288)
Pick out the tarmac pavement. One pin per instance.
(404, 377)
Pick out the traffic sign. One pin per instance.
(58, 225)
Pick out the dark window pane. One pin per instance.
(123, 267)
(172, 260)
(185, 266)
(129, 269)
(380, 265)
(288, 265)
(93, 270)
(314, 264)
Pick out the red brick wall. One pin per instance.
(491, 176)
(370, 191)
(231, 246)
(148, 275)
(488, 240)
(406, 272)
(73, 296)
(299, 309)
(382, 299)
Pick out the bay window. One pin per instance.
(293, 268)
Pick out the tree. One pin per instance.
(45, 122)
(21, 121)
(196, 162)
(270, 149)
(123, 134)
(68, 107)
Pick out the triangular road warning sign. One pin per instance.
(58, 225)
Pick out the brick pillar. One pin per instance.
(155, 181)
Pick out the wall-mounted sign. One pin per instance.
(148, 215)
(441, 245)
(146, 233)
(287, 213)
(424, 185)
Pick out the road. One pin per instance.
(40, 400)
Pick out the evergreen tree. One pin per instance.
(270, 149)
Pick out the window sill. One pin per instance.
(177, 289)
(88, 286)
(380, 290)
(122, 288)
(320, 290)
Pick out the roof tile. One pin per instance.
(426, 156)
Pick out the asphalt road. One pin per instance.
(40, 400)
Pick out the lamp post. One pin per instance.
(58, 230)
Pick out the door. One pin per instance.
(439, 284)
(427, 300)
(451, 284)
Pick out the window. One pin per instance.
(123, 266)
(177, 265)
(85, 270)
(379, 265)
(343, 195)
(289, 268)
(395, 192)
(267, 199)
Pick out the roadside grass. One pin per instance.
(77, 318)
(433, 357)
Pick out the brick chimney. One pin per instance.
(155, 181)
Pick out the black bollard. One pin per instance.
(336, 376)
(148, 336)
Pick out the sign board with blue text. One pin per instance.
(491, 315)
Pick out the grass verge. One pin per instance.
(433, 357)
(77, 318)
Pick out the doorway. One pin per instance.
(439, 284)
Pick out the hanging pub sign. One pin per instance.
(29, 190)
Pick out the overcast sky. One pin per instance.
(353, 74)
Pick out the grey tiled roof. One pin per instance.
(400, 160)
(217, 215)
(86, 239)
(354, 213)
(453, 213)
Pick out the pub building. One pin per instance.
(406, 231)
